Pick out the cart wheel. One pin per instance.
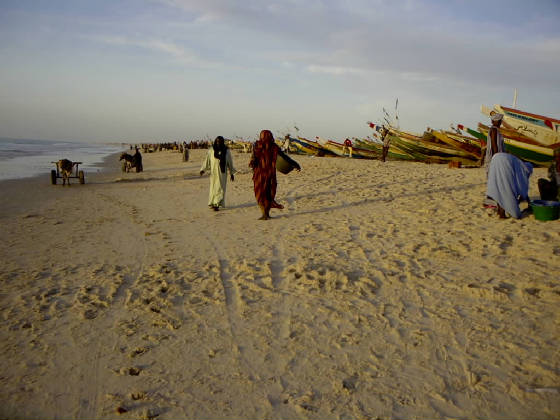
(53, 177)
(82, 177)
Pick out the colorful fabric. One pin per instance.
(263, 163)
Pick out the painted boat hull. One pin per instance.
(470, 149)
(394, 153)
(310, 147)
(529, 151)
(541, 133)
(357, 153)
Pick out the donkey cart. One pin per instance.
(77, 174)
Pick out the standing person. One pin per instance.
(549, 189)
(494, 144)
(138, 160)
(286, 144)
(185, 152)
(218, 160)
(494, 140)
(386, 139)
(347, 145)
(263, 162)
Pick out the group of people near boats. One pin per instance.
(219, 161)
(508, 176)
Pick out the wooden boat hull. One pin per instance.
(394, 153)
(527, 124)
(537, 155)
(529, 151)
(427, 148)
(310, 147)
(448, 139)
(357, 153)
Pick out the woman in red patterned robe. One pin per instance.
(263, 162)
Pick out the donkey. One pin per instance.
(65, 167)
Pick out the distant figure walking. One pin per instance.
(217, 161)
(263, 162)
(347, 146)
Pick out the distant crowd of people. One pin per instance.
(178, 146)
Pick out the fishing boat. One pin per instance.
(394, 153)
(310, 147)
(357, 152)
(510, 134)
(529, 151)
(458, 142)
(427, 150)
(545, 130)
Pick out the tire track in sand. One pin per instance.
(233, 303)
(91, 406)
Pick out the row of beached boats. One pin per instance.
(531, 137)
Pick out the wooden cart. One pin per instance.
(79, 174)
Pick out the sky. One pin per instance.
(173, 70)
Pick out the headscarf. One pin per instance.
(265, 152)
(220, 150)
(496, 117)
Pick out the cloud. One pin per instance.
(418, 39)
(334, 70)
(175, 51)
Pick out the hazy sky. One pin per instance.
(154, 70)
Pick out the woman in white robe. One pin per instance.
(218, 160)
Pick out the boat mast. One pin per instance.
(514, 99)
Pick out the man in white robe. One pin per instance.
(218, 160)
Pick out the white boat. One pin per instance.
(545, 130)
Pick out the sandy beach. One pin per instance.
(381, 291)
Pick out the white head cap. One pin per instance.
(496, 116)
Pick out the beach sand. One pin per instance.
(382, 290)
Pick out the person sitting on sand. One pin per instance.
(218, 160)
(549, 189)
(508, 183)
(263, 162)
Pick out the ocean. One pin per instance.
(22, 158)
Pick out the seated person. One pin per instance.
(508, 183)
(549, 189)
